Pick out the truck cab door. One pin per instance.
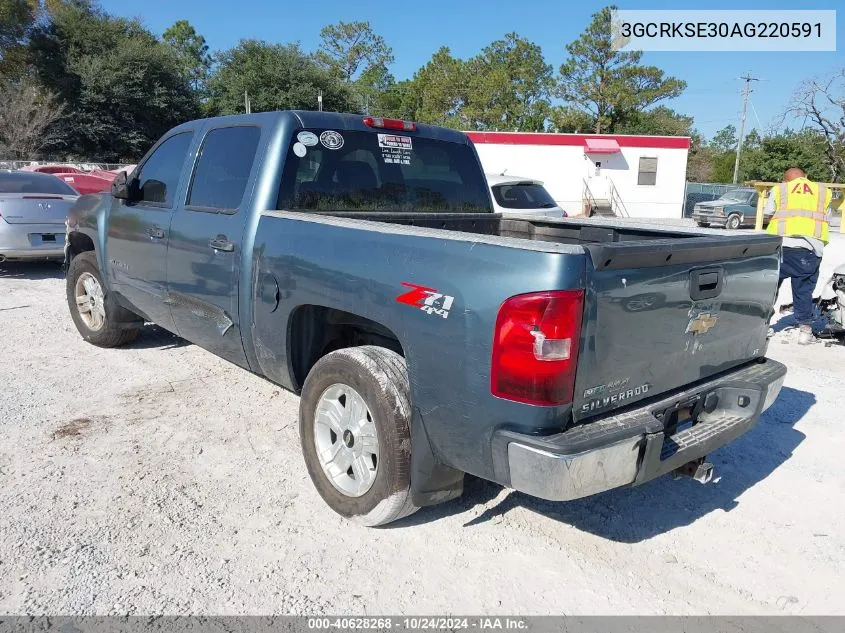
(138, 229)
(204, 257)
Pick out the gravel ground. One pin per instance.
(159, 479)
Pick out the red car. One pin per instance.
(85, 183)
(52, 169)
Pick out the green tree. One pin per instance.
(509, 86)
(725, 140)
(349, 47)
(775, 154)
(569, 119)
(397, 100)
(17, 17)
(192, 50)
(438, 91)
(121, 87)
(659, 121)
(276, 77)
(610, 86)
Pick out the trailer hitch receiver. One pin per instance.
(699, 469)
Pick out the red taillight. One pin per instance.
(390, 124)
(535, 347)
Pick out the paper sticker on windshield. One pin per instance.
(395, 149)
(331, 139)
(299, 149)
(309, 139)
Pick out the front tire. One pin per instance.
(734, 222)
(355, 430)
(96, 318)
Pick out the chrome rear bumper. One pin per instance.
(633, 447)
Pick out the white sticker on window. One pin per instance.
(394, 140)
(309, 139)
(395, 149)
(331, 139)
(299, 149)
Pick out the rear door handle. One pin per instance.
(221, 243)
(155, 233)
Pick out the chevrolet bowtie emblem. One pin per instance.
(702, 324)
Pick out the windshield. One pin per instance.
(33, 182)
(329, 170)
(523, 195)
(740, 195)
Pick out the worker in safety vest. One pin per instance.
(801, 211)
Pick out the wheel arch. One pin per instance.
(314, 331)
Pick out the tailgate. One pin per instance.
(661, 314)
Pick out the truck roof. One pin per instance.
(331, 120)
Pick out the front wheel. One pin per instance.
(355, 430)
(734, 222)
(97, 319)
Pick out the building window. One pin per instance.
(648, 171)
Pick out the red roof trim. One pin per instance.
(539, 138)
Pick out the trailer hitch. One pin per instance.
(698, 469)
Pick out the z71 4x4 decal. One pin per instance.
(427, 299)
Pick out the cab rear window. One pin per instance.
(328, 170)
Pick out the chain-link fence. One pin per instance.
(696, 192)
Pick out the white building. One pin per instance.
(636, 176)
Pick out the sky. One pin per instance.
(417, 30)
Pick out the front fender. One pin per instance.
(86, 227)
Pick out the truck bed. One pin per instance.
(663, 308)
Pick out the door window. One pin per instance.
(159, 175)
(223, 168)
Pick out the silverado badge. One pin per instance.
(702, 323)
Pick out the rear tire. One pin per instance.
(734, 222)
(376, 379)
(704, 225)
(96, 317)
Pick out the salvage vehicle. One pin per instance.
(519, 195)
(33, 209)
(734, 209)
(357, 261)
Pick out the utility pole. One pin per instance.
(320, 101)
(247, 104)
(746, 90)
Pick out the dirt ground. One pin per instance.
(159, 479)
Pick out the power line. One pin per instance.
(746, 90)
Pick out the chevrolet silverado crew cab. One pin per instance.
(357, 261)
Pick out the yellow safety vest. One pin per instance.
(800, 209)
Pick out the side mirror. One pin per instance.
(121, 187)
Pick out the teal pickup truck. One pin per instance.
(735, 209)
(357, 261)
